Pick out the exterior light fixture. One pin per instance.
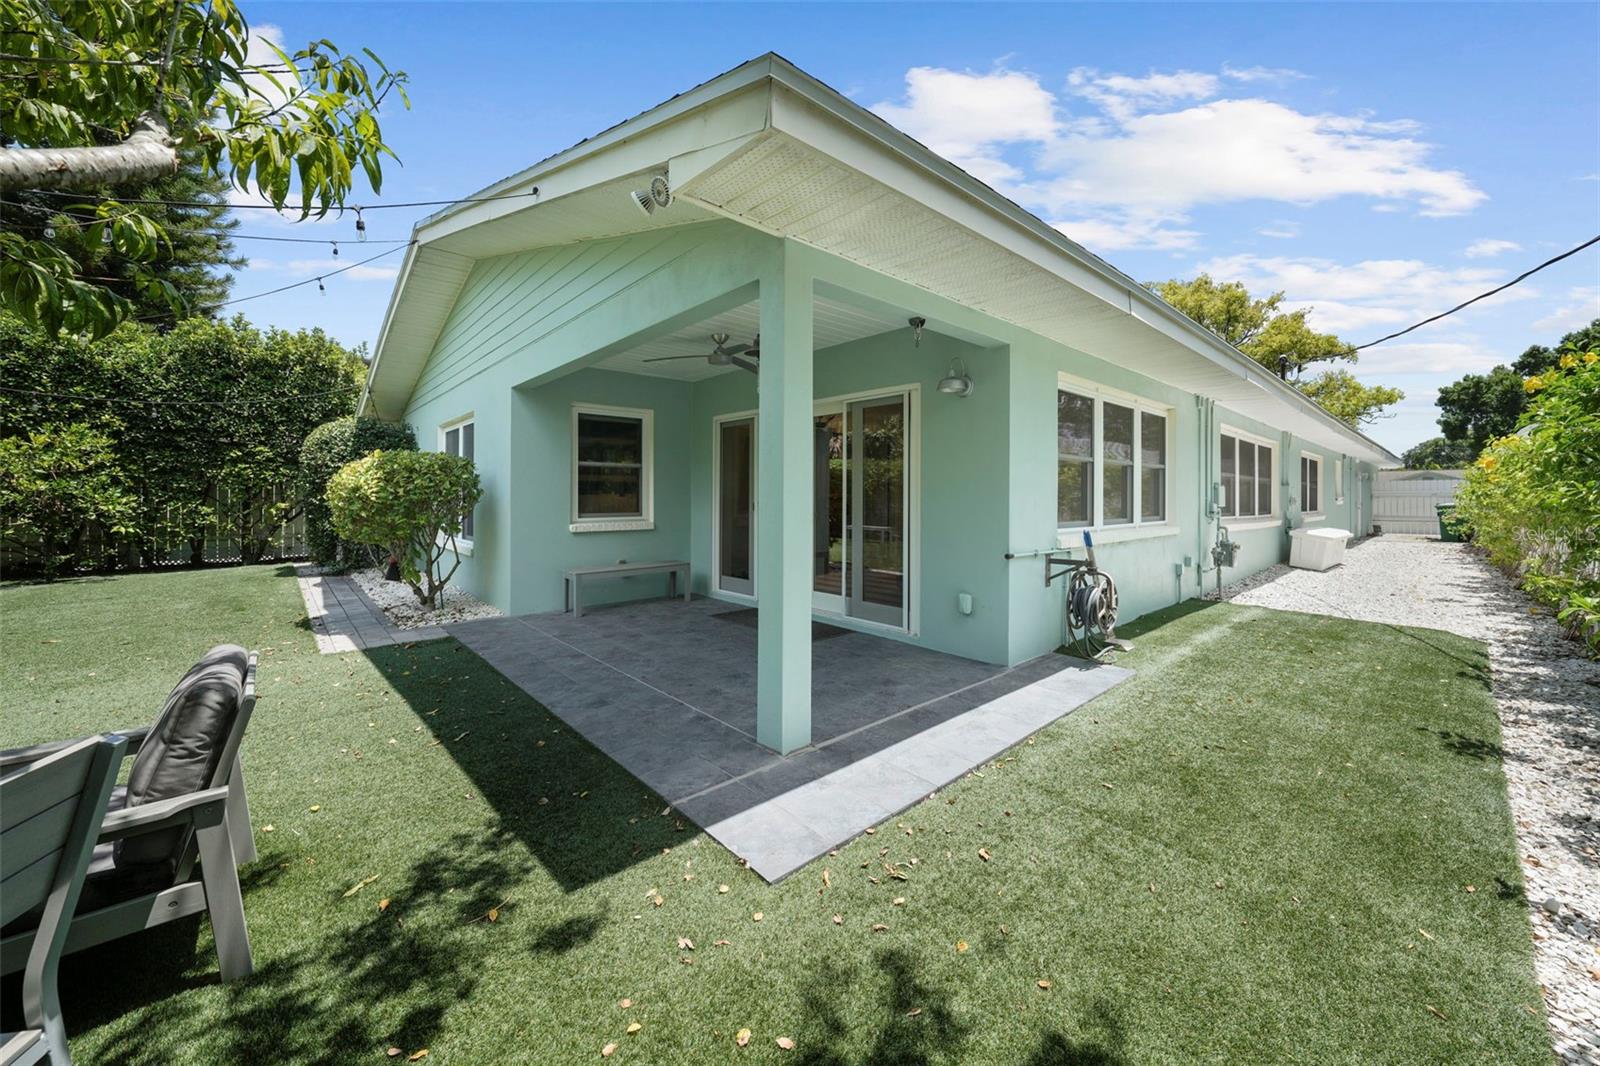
(957, 382)
(916, 322)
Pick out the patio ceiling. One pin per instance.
(833, 323)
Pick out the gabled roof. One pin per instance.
(772, 147)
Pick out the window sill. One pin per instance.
(1313, 518)
(1270, 522)
(463, 547)
(1072, 536)
(621, 525)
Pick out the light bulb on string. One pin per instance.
(361, 226)
(335, 249)
(320, 287)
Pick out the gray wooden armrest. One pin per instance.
(35, 752)
(199, 809)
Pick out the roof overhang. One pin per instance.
(772, 147)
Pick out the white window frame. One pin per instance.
(1140, 527)
(646, 519)
(1266, 518)
(464, 543)
(1319, 511)
(1338, 480)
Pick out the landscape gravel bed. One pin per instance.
(1548, 694)
(400, 605)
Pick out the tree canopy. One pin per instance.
(100, 93)
(1282, 341)
(1436, 453)
(1480, 408)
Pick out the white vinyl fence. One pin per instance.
(1405, 501)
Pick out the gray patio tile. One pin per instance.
(775, 842)
(723, 801)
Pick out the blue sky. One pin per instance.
(1379, 163)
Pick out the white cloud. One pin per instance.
(1451, 358)
(1490, 247)
(1125, 230)
(1280, 230)
(968, 117)
(1122, 96)
(1126, 166)
(1579, 306)
(1270, 74)
(262, 48)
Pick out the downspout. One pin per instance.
(1204, 415)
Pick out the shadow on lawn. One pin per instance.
(400, 970)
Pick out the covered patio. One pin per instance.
(668, 690)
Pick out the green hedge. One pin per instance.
(327, 448)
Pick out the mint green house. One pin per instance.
(758, 330)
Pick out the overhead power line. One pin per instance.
(1482, 296)
(317, 280)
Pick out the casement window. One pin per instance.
(1247, 465)
(457, 438)
(1111, 459)
(612, 468)
(1310, 483)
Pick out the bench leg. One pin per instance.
(244, 838)
(577, 598)
(224, 901)
(686, 583)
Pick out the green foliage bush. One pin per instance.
(55, 483)
(409, 504)
(1533, 498)
(327, 448)
(207, 407)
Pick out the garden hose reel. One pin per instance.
(1091, 602)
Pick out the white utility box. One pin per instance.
(1317, 549)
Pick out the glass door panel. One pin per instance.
(736, 507)
(877, 516)
(828, 547)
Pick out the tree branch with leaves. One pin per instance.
(99, 92)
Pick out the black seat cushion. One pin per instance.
(181, 753)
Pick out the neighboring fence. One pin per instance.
(221, 544)
(1405, 501)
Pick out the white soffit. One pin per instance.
(832, 323)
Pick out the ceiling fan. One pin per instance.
(743, 356)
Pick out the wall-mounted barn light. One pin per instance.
(958, 382)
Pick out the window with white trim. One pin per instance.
(458, 438)
(612, 468)
(1338, 481)
(1310, 484)
(1111, 459)
(1247, 464)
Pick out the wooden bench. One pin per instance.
(574, 579)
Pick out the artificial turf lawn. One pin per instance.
(1257, 849)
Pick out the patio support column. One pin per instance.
(784, 501)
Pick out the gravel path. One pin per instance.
(399, 603)
(1549, 698)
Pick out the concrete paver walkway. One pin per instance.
(344, 619)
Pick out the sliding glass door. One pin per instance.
(861, 478)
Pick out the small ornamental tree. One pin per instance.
(54, 484)
(411, 505)
(327, 448)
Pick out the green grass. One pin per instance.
(1232, 857)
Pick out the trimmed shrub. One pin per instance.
(327, 448)
(409, 504)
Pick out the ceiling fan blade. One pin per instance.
(745, 364)
(670, 358)
(733, 349)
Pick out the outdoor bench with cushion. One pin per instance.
(171, 840)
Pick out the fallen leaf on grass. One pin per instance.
(786, 1042)
(609, 1050)
(1472, 888)
(879, 927)
(494, 914)
(1425, 933)
(1044, 984)
(269, 829)
(383, 904)
(983, 853)
(1437, 1013)
(394, 1052)
(899, 901)
(417, 1056)
(657, 901)
(913, 1012)
(634, 1027)
(721, 943)
(722, 890)
(742, 1037)
(359, 885)
(314, 808)
(685, 944)
(961, 947)
(838, 919)
(624, 1003)
(757, 916)
(827, 880)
